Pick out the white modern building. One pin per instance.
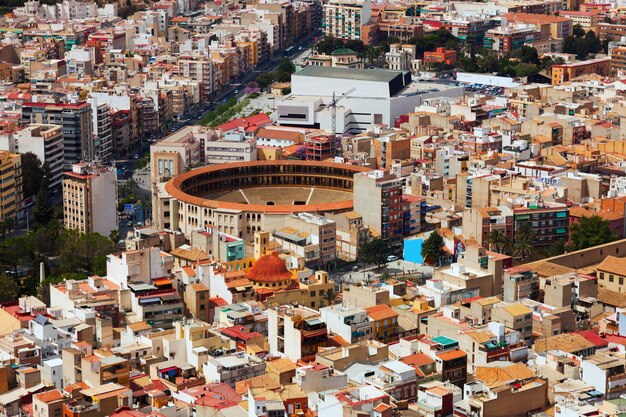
(352, 324)
(364, 98)
(90, 199)
(45, 141)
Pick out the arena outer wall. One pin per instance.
(182, 206)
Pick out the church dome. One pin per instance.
(269, 268)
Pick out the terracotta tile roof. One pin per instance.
(611, 298)
(439, 391)
(495, 376)
(417, 360)
(199, 287)
(613, 265)
(568, 342)
(49, 396)
(268, 132)
(481, 336)
(517, 309)
(380, 312)
(453, 354)
(140, 325)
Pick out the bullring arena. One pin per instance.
(242, 198)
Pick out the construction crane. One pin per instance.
(333, 109)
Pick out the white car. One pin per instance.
(392, 258)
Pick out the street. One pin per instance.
(399, 268)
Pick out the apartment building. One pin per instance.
(90, 199)
(549, 26)
(103, 145)
(606, 372)
(496, 394)
(230, 369)
(479, 222)
(378, 198)
(98, 370)
(296, 331)
(384, 323)
(519, 283)
(566, 72)
(470, 30)
(506, 38)
(77, 123)
(198, 68)
(45, 141)
(310, 236)
(610, 31)
(515, 316)
(344, 19)
(586, 20)
(352, 324)
(11, 195)
(549, 221)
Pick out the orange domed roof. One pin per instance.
(269, 268)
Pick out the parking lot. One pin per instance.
(481, 88)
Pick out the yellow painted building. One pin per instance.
(11, 193)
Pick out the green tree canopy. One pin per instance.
(43, 211)
(9, 290)
(498, 241)
(432, 249)
(32, 173)
(374, 252)
(85, 252)
(590, 231)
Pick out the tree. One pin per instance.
(114, 236)
(578, 31)
(524, 236)
(14, 252)
(523, 249)
(330, 296)
(498, 241)
(526, 54)
(432, 249)
(590, 231)
(85, 252)
(525, 233)
(9, 290)
(32, 173)
(374, 252)
(43, 211)
(524, 70)
(265, 79)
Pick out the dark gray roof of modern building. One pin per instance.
(380, 75)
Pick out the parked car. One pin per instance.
(392, 258)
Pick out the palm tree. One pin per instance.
(331, 296)
(525, 232)
(498, 241)
(523, 249)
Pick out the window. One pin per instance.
(621, 280)
(611, 278)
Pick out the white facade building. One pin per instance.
(365, 98)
